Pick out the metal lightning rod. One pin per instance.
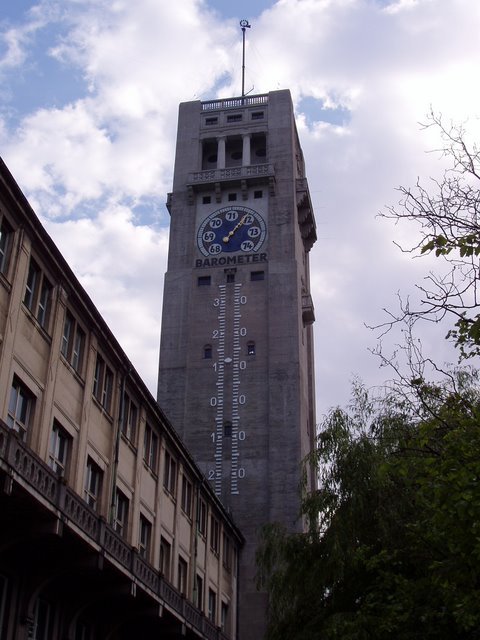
(244, 25)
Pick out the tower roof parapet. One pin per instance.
(235, 103)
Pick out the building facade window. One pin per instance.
(199, 592)
(165, 557)
(6, 240)
(120, 522)
(3, 605)
(182, 577)
(150, 448)
(202, 517)
(103, 383)
(84, 631)
(212, 605)
(227, 552)
(93, 484)
(38, 294)
(130, 418)
(170, 474)
(73, 342)
(224, 617)
(60, 445)
(42, 620)
(207, 352)
(20, 408)
(187, 494)
(145, 538)
(214, 534)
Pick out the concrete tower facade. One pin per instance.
(236, 374)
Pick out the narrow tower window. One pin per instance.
(207, 351)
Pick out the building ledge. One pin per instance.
(306, 219)
(308, 312)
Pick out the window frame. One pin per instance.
(20, 424)
(47, 624)
(186, 501)
(6, 241)
(120, 520)
(4, 602)
(170, 473)
(93, 484)
(212, 605)
(199, 586)
(227, 552)
(130, 418)
(165, 558)
(59, 449)
(38, 294)
(73, 342)
(144, 537)
(103, 383)
(182, 576)
(151, 442)
(202, 517)
(214, 534)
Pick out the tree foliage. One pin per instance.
(393, 544)
(448, 216)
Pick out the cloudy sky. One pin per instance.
(89, 92)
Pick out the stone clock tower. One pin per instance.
(236, 372)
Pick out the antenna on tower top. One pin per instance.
(244, 24)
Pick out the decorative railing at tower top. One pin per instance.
(235, 103)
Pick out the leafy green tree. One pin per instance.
(392, 549)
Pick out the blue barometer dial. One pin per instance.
(231, 229)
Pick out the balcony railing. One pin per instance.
(235, 103)
(21, 460)
(231, 173)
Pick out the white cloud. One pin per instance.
(121, 265)
(94, 159)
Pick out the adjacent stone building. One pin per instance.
(108, 528)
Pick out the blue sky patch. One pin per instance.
(315, 111)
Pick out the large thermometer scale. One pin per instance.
(229, 399)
